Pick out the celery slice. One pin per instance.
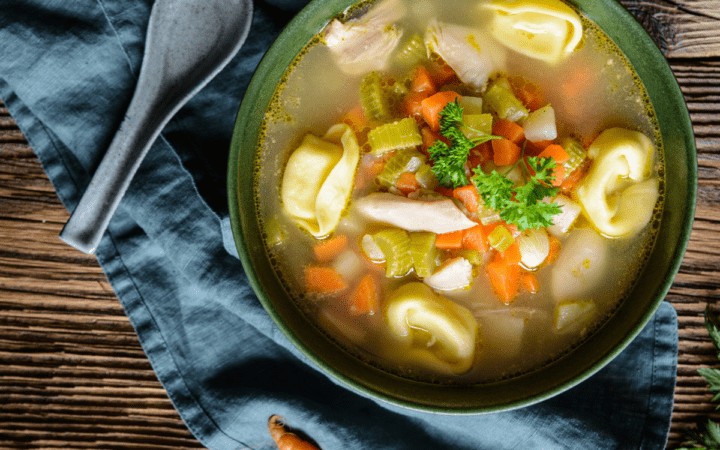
(471, 105)
(395, 245)
(426, 177)
(500, 238)
(423, 252)
(274, 232)
(474, 257)
(576, 152)
(477, 125)
(500, 99)
(412, 51)
(395, 136)
(488, 216)
(373, 99)
(400, 88)
(407, 160)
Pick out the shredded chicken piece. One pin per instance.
(438, 216)
(365, 44)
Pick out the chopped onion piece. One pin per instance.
(371, 249)
(348, 264)
(540, 125)
(534, 247)
(454, 274)
(563, 221)
(581, 267)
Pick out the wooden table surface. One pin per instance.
(73, 374)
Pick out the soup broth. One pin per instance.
(484, 296)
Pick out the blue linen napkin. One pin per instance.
(67, 74)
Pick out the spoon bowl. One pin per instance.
(188, 42)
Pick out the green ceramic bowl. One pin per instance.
(594, 353)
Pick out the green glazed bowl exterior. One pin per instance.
(634, 313)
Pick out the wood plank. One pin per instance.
(681, 29)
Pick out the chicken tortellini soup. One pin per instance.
(459, 191)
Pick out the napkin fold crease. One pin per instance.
(67, 74)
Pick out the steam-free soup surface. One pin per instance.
(466, 268)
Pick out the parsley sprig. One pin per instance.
(449, 160)
(710, 439)
(522, 205)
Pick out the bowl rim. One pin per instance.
(651, 66)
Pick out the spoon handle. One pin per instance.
(91, 217)
(188, 43)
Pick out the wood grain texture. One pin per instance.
(683, 28)
(73, 374)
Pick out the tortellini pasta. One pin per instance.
(548, 30)
(619, 192)
(318, 179)
(433, 331)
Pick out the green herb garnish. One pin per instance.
(710, 439)
(449, 160)
(522, 205)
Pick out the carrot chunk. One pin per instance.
(412, 103)
(475, 238)
(355, 118)
(505, 152)
(284, 438)
(468, 194)
(511, 255)
(512, 228)
(573, 178)
(528, 93)
(323, 280)
(407, 183)
(559, 174)
(365, 297)
(432, 106)
(529, 281)
(442, 73)
(422, 81)
(504, 279)
(452, 240)
(366, 174)
(509, 130)
(559, 154)
(479, 154)
(555, 246)
(447, 192)
(329, 248)
(555, 152)
(535, 148)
